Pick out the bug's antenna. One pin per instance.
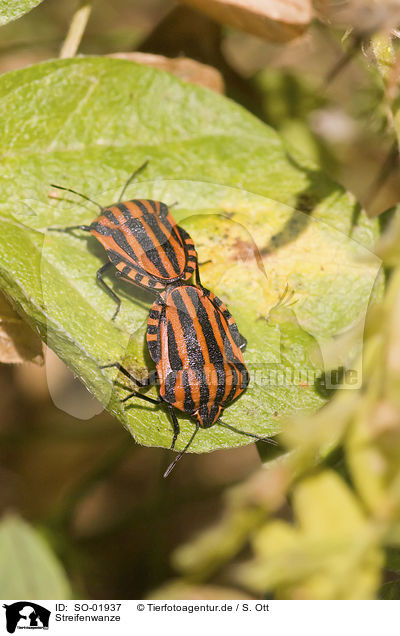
(180, 455)
(53, 185)
(131, 178)
(236, 430)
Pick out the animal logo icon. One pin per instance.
(26, 615)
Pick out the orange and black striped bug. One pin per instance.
(142, 241)
(197, 349)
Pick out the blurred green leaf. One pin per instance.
(393, 559)
(287, 96)
(366, 461)
(337, 512)
(13, 9)
(330, 553)
(176, 590)
(203, 556)
(390, 591)
(289, 101)
(269, 222)
(28, 567)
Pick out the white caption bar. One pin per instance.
(191, 618)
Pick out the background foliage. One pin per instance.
(321, 519)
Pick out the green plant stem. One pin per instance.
(76, 29)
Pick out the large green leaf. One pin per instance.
(28, 567)
(267, 222)
(13, 9)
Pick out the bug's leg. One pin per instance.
(143, 397)
(85, 228)
(151, 378)
(147, 398)
(125, 279)
(192, 264)
(197, 274)
(175, 425)
(180, 455)
(100, 273)
(259, 437)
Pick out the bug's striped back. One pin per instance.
(145, 244)
(199, 362)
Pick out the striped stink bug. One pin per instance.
(142, 241)
(197, 349)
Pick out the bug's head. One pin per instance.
(207, 414)
(163, 209)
